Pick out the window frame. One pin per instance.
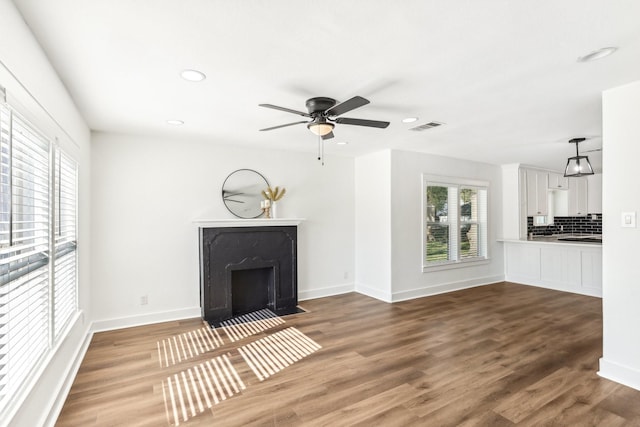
(455, 260)
(61, 284)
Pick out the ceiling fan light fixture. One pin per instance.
(320, 127)
(578, 165)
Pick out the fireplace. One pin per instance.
(246, 269)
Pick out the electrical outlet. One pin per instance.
(144, 300)
(346, 274)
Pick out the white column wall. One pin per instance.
(373, 225)
(621, 286)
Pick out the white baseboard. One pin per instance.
(145, 319)
(374, 293)
(444, 288)
(619, 373)
(325, 292)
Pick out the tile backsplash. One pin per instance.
(570, 225)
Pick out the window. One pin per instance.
(37, 249)
(455, 221)
(64, 291)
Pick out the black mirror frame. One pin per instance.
(259, 176)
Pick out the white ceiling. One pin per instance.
(501, 74)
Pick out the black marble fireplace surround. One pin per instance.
(245, 269)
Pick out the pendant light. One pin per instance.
(578, 165)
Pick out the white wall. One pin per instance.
(373, 225)
(621, 287)
(511, 200)
(46, 103)
(406, 225)
(148, 191)
(389, 225)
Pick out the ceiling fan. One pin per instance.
(324, 113)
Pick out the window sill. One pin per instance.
(455, 265)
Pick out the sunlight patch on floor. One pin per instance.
(250, 324)
(275, 352)
(186, 346)
(192, 391)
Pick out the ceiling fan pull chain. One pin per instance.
(320, 150)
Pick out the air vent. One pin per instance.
(426, 126)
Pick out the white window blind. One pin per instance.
(441, 221)
(64, 284)
(5, 180)
(473, 222)
(455, 221)
(5, 213)
(24, 252)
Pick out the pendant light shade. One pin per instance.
(578, 165)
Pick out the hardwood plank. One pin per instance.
(397, 416)
(574, 404)
(531, 399)
(499, 355)
(364, 408)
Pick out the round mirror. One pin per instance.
(241, 193)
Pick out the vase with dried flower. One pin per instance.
(272, 196)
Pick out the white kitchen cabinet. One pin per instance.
(565, 267)
(559, 267)
(578, 196)
(557, 181)
(594, 199)
(537, 192)
(523, 262)
(591, 263)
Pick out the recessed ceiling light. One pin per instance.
(175, 122)
(409, 120)
(193, 75)
(342, 143)
(597, 54)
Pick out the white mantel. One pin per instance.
(255, 222)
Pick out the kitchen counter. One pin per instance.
(548, 262)
(562, 239)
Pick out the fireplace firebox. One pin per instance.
(245, 269)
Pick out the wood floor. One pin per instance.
(497, 355)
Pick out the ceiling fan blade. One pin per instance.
(284, 126)
(346, 106)
(362, 122)
(288, 110)
(328, 136)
